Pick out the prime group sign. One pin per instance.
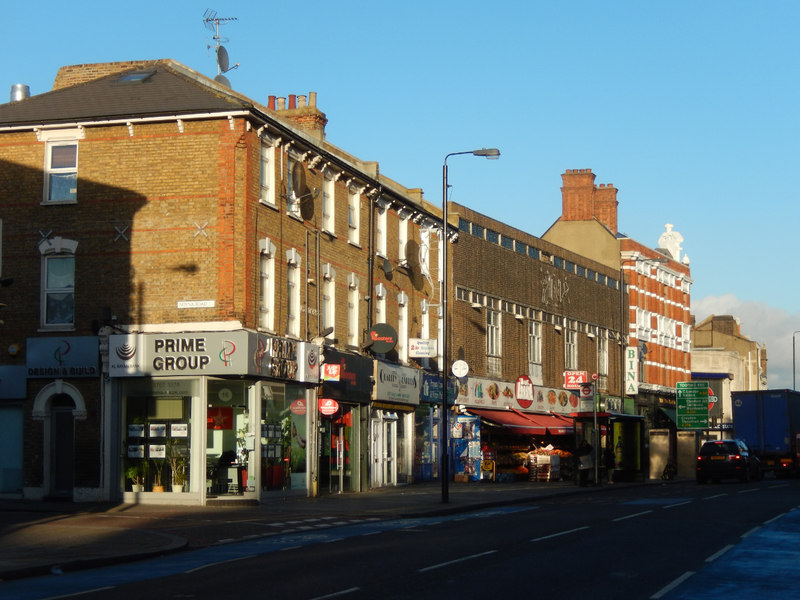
(201, 353)
(238, 352)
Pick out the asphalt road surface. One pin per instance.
(623, 543)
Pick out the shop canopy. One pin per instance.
(555, 424)
(534, 424)
(505, 418)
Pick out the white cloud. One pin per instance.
(761, 323)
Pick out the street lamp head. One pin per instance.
(490, 153)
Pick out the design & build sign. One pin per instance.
(63, 357)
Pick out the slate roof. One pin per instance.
(168, 90)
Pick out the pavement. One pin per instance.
(39, 538)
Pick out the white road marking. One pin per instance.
(671, 586)
(456, 561)
(678, 504)
(337, 594)
(639, 514)
(753, 530)
(560, 533)
(719, 553)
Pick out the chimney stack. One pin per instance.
(582, 200)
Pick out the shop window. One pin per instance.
(156, 430)
(283, 437)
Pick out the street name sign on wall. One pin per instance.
(692, 405)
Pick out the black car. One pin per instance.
(726, 459)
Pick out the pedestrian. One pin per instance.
(609, 459)
(585, 462)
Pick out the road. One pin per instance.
(618, 543)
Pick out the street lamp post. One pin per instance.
(794, 382)
(490, 153)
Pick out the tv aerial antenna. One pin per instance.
(212, 22)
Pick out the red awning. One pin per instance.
(513, 420)
(532, 423)
(555, 424)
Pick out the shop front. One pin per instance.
(427, 428)
(63, 380)
(210, 415)
(504, 428)
(396, 395)
(343, 409)
(13, 384)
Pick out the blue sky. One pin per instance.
(689, 108)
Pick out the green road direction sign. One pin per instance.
(692, 405)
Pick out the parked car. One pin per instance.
(726, 459)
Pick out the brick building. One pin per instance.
(183, 259)
(729, 362)
(658, 283)
(532, 320)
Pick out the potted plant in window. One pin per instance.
(136, 473)
(158, 468)
(178, 463)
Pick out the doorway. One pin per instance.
(339, 467)
(229, 438)
(383, 448)
(62, 446)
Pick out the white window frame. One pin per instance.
(602, 353)
(381, 224)
(534, 342)
(56, 249)
(293, 299)
(380, 303)
(402, 239)
(494, 333)
(425, 252)
(353, 299)
(266, 317)
(329, 202)
(354, 217)
(51, 172)
(328, 308)
(267, 176)
(402, 327)
(570, 349)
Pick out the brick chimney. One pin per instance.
(582, 200)
(304, 113)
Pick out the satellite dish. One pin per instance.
(223, 80)
(222, 59)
